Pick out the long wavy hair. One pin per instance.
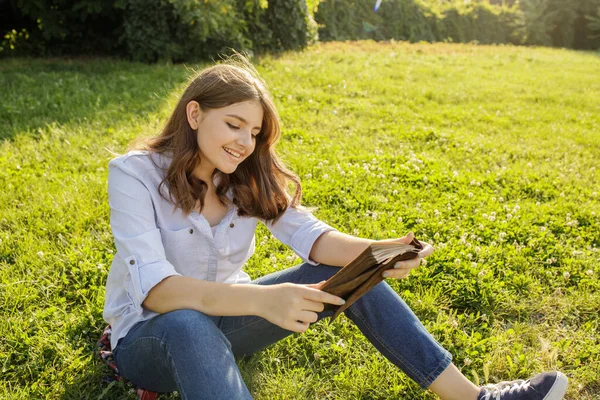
(259, 184)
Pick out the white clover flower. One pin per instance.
(566, 275)
(493, 244)
(342, 173)
(509, 216)
(395, 179)
(502, 235)
(455, 173)
(399, 219)
(492, 218)
(469, 256)
(517, 208)
(484, 215)
(395, 192)
(589, 272)
(457, 261)
(420, 221)
(467, 362)
(325, 176)
(470, 194)
(273, 259)
(320, 164)
(473, 182)
(425, 179)
(537, 203)
(40, 254)
(308, 176)
(501, 199)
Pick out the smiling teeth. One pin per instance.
(233, 153)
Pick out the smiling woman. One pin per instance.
(184, 209)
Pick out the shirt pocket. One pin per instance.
(241, 241)
(186, 250)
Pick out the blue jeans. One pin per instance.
(194, 353)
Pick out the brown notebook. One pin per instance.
(365, 271)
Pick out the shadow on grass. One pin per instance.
(37, 93)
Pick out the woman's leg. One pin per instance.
(181, 350)
(382, 316)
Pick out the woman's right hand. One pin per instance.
(293, 306)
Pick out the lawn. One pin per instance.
(488, 152)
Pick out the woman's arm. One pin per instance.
(211, 298)
(337, 249)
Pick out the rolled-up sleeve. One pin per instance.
(137, 238)
(299, 229)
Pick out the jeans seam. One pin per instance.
(401, 359)
(175, 374)
(439, 369)
(245, 326)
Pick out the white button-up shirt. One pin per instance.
(154, 240)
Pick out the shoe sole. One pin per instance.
(558, 390)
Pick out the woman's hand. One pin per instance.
(403, 268)
(294, 307)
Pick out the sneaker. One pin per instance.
(544, 386)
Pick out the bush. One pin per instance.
(181, 29)
(290, 23)
(159, 29)
(356, 19)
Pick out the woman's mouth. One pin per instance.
(232, 153)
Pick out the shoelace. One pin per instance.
(494, 392)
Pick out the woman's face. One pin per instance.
(226, 136)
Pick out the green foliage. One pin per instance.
(355, 19)
(556, 23)
(490, 153)
(290, 23)
(153, 30)
(181, 29)
(478, 22)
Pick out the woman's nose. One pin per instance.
(246, 138)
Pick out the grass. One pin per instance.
(489, 153)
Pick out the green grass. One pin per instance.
(489, 153)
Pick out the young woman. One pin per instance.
(183, 214)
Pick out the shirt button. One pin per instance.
(131, 262)
(231, 225)
(191, 231)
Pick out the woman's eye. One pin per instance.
(233, 126)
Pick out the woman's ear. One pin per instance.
(194, 114)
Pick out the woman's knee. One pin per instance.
(189, 326)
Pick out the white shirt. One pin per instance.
(154, 240)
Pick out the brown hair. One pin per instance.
(259, 183)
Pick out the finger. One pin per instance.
(307, 316)
(427, 250)
(298, 326)
(408, 238)
(316, 285)
(310, 305)
(323, 297)
(396, 274)
(409, 264)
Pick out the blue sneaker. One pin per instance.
(544, 386)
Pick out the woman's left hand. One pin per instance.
(403, 268)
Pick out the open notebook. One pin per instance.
(365, 271)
